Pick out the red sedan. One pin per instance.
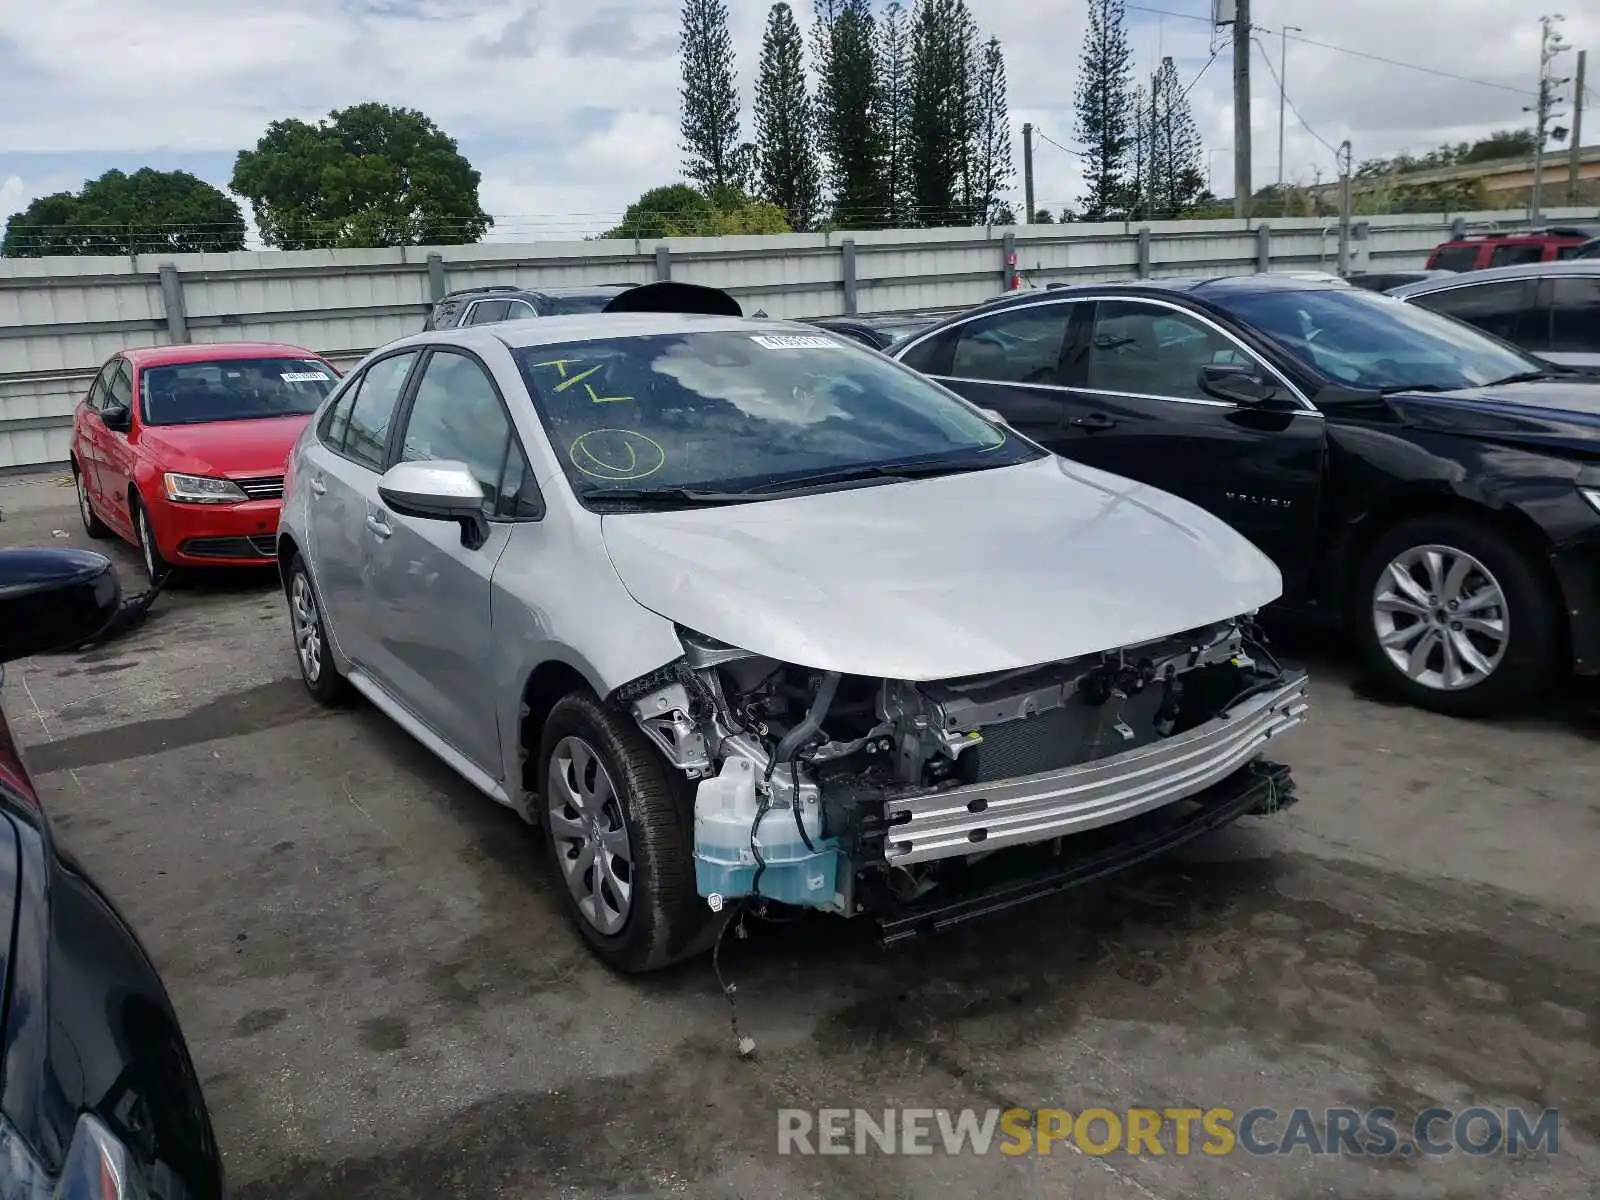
(181, 449)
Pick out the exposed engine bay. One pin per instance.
(824, 789)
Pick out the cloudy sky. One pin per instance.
(570, 110)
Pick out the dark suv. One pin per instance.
(509, 302)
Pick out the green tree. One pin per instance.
(992, 168)
(1105, 108)
(850, 127)
(1174, 178)
(676, 210)
(368, 175)
(1043, 217)
(788, 160)
(147, 212)
(1503, 143)
(894, 105)
(709, 126)
(941, 117)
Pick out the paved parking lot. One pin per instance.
(384, 1000)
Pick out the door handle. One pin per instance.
(378, 526)
(318, 488)
(1092, 422)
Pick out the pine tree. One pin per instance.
(941, 112)
(1105, 107)
(788, 163)
(710, 121)
(1176, 161)
(850, 127)
(993, 170)
(894, 103)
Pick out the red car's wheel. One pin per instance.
(156, 568)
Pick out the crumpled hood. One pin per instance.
(945, 577)
(1548, 414)
(241, 449)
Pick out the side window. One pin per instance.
(1021, 345)
(367, 434)
(1514, 253)
(1495, 308)
(119, 393)
(101, 386)
(458, 415)
(931, 356)
(1575, 314)
(486, 312)
(1149, 350)
(519, 310)
(1455, 258)
(336, 421)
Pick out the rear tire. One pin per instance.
(92, 524)
(606, 802)
(311, 648)
(1456, 616)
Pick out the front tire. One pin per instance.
(311, 648)
(92, 524)
(1455, 616)
(156, 568)
(619, 837)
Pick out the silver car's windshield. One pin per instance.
(739, 412)
(1372, 341)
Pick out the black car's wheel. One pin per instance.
(92, 524)
(311, 649)
(156, 568)
(620, 838)
(1456, 616)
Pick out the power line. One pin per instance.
(1046, 137)
(1277, 79)
(1184, 95)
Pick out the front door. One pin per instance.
(429, 591)
(1136, 409)
(342, 470)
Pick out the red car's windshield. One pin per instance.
(233, 389)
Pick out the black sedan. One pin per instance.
(98, 1093)
(1430, 488)
(879, 332)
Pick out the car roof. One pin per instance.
(1571, 266)
(548, 331)
(166, 356)
(1199, 285)
(502, 291)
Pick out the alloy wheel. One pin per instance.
(85, 510)
(591, 835)
(1441, 617)
(147, 544)
(307, 628)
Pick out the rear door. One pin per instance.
(117, 452)
(342, 467)
(428, 594)
(90, 431)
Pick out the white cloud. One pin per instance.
(570, 110)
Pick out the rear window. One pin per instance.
(234, 389)
(567, 306)
(1454, 258)
(1514, 253)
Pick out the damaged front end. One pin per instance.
(925, 803)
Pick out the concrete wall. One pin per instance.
(60, 318)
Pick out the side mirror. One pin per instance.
(437, 491)
(1236, 384)
(117, 418)
(53, 598)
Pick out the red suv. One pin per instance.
(1509, 249)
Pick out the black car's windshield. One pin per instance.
(233, 389)
(748, 412)
(569, 306)
(1370, 341)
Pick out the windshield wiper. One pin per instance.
(916, 469)
(1531, 377)
(1394, 388)
(675, 497)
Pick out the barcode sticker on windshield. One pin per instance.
(303, 377)
(794, 341)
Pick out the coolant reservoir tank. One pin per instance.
(726, 839)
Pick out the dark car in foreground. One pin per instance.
(492, 303)
(1551, 310)
(98, 1096)
(1433, 490)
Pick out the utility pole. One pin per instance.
(1574, 155)
(1550, 45)
(1241, 110)
(1027, 171)
(1283, 92)
(1344, 207)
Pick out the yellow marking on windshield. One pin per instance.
(599, 454)
(568, 382)
(559, 364)
(602, 399)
